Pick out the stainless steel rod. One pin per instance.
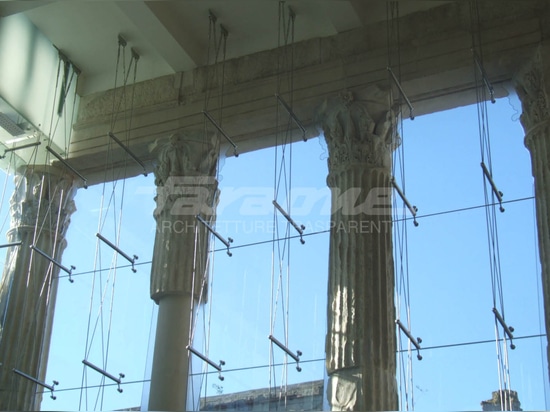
(116, 248)
(217, 126)
(11, 244)
(12, 149)
(104, 373)
(284, 348)
(220, 237)
(204, 358)
(292, 115)
(506, 328)
(29, 377)
(411, 109)
(411, 208)
(412, 339)
(497, 192)
(55, 262)
(130, 153)
(406, 332)
(299, 229)
(67, 165)
(485, 78)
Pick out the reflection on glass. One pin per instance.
(450, 288)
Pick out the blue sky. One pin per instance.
(450, 288)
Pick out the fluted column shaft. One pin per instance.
(186, 187)
(533, 87)
(360, 342)
(41, 207)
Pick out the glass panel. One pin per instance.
(246, 283)
(450, 284)
(105, 315)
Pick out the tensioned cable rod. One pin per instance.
(217, 126)
(295, 356)
(497, 192)
(464, 209)
(208, 360)
(130, 153)
(55, 262)
(299, 228)
(120, 251)
(411, 109)
(451, 345)
(415, 341)
(227, 242)
(484, 77)
(13, 149)
(292, 115)
(51, 388)
(507, 329)
(412, 209)
(106, 374)
(11, 244)
(67, 165)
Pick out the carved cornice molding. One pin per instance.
(357, 132)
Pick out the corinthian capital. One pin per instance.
(532, 84)
(358, 132)
(186, 173)
(42, 191)
(187, 153)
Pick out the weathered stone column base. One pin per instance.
(348, 390)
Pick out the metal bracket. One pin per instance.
(106, 374)
(294, 356)
(415, 341)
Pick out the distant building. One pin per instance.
(502, 400)
(306, 396)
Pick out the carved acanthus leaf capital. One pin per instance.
(358, 132)
(187, 153)
(532, 85)
(186, 169)
(186, 187)
(41, 195)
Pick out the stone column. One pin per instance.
(41, 207)
(533, 88)
(360, 341)
(186, 187)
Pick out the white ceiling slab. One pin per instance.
(173, 36)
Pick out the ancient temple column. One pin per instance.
(533, 88)
(360, 341)
(41, 207)
(186, 187)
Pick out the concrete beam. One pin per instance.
(8, 8)
(159, 35)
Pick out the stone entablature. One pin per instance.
(436, 71)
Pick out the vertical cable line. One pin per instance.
(282, 183)
(204, 272)
(107, 287)
(27, 332)
(491, 194)
(400, 244)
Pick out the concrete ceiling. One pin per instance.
(172, 36)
